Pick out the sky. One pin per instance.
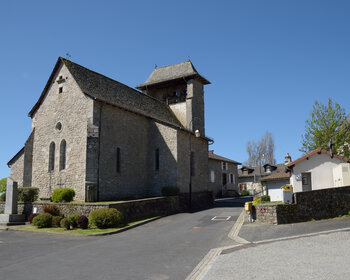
(267, 61)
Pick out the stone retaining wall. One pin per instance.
(132, 209)
(318, 204)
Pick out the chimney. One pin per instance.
(288, 159)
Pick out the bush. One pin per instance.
(63, 195)
(105, 217)
(3, 197)
(265, 198)
(245, 192)
(72, 218)
(65, 223)
(56, 221)
(31, 217)
(257, 200)
(43, 220)
(3, 183)
(169, 191)
(28, 194)
(52, 209)
(83, 222)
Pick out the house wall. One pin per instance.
(17, 169)
(321, 168)
(217, 187)
(72, 109)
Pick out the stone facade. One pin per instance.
(318, 204)
(104, 123)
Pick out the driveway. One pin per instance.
(168, 248)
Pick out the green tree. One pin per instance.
(327, 123)
(3, 182)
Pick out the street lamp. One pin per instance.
(197, 134)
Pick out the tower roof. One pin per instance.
(172, 73)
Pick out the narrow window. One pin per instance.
(156, 159)
(224, 165)
(63, 154)
(212, 176)
(52, 157)
(60, 89)
(232, 178)
(192, 163)
(118, 160)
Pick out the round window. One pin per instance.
(58, 126)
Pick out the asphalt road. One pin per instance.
(168, 248)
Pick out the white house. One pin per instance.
(314, 170)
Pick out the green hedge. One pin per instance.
(105, 217)
(43, 220)
(170, 191)
(265, 198)
(63, 195)
(28, 194)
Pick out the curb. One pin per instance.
(87, 235)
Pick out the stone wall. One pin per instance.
(132, 209)
(72, 109)
(319, 204)
(17, 169)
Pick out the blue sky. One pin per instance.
(268, 61)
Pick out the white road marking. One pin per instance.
(221, 218)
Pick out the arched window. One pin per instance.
(63, 154)
(52, 157)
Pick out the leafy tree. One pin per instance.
(3, 182)
(326, 125)
(261, 152)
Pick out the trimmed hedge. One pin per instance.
(28, 194)
(52, 209)
(56, 221)
(31, 217)
(65, 223)
(43, 220)
(265, 198)
(105, 217)
(83, 222)
(170, 191)
(63, 195)
(72, 218)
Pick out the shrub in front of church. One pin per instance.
(65, 223)
(72, 218)
(105, 217)
(63, 195)
(28, 194)
(3, 197)
(31, 217)
(43, 220)
(170, 191)
(52, 209)
(83, 222)
(56, 221)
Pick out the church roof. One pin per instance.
(184, 70)
(102, 88)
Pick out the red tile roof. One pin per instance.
(317, 151)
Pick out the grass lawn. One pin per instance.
(92, 230)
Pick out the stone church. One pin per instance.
(109, 141)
